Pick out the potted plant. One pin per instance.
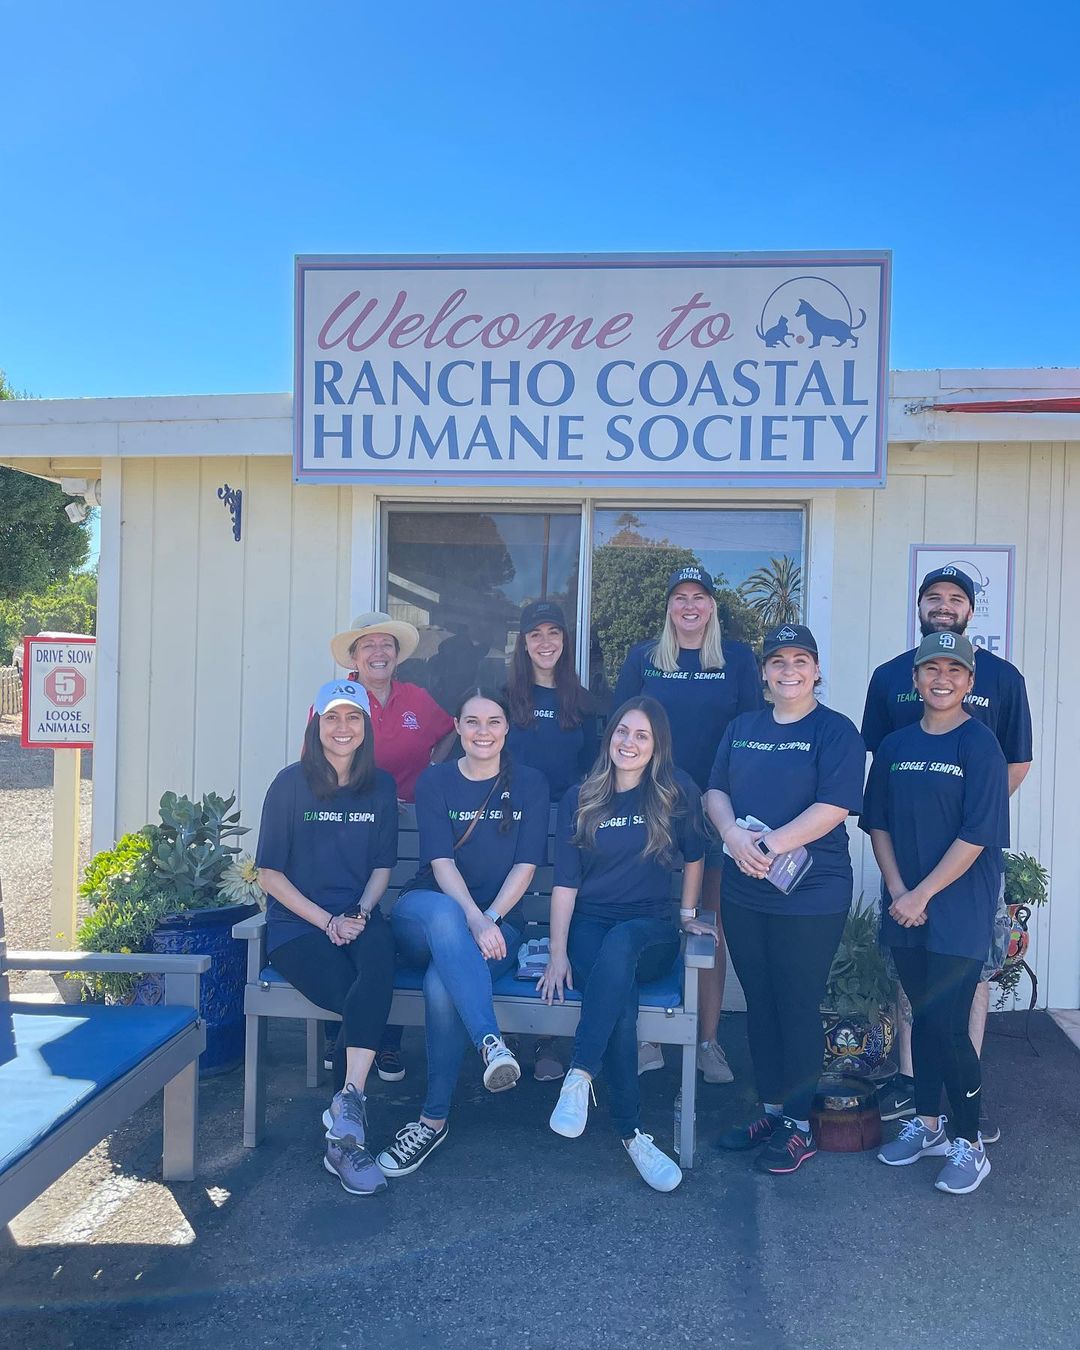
(178, 886)
(857, 1008)
(1026, 888)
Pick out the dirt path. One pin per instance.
(26, 835)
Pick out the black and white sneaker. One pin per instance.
(896, 1100)
(410, 1148)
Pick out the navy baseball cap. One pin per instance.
(952, 574)
(336, 692)
(698, 574)
(542, 611)
(789, 635)
(954, 646)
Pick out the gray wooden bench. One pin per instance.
(70, 1074)
(667, 1012)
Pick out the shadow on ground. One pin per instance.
(513, 1236)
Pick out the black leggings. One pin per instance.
(783, 962)
(356, 980)
(940, 990)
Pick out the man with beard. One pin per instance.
(999, 698)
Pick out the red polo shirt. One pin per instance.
(407, 726)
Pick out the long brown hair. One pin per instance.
(321, 775)
(662, 799)
(573, 698)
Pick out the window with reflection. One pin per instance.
(755, 557)
(462, 577)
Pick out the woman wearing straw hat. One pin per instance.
(411, 732)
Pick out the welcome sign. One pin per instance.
(736, 370)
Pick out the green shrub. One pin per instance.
(859, 985)
(124, 926)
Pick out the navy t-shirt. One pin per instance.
(999, 700)
(447, 801)
(328, 847)
(774, 771)
(562, 756)
(699, 703)
(928, 791)
(615, 880)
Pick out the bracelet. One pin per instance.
(329, 921)
(687, 913)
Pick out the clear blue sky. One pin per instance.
(162, 164)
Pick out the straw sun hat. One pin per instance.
(376, 622)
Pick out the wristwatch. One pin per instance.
(495, 917)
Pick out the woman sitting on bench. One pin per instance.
(617, 843)
(327, 844)
(483, 832)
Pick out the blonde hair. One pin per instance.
(665, 655)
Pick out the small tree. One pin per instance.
(775, 592)
(38, 544)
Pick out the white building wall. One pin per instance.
(222, 644)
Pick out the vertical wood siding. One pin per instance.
(1027, 495)
(223, 644)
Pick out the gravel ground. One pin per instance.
(26, 836)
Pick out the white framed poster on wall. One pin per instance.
(992, 568)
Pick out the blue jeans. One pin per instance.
(432, 936)
(609, 959)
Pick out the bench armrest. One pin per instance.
(249, 928)
(699, 952)
(138, 963)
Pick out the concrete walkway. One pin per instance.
(511, 1236)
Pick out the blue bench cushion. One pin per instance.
(663, 993)
(54, 1059)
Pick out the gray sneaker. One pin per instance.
(354, 1167)
(346, 1116)
(967, 1168)
(915, 1141)
(712, 1062)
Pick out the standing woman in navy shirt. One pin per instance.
(619, 837)
(937, 811)
(796, 767)
(327, 843)
(702, 680)
(552, 721)
(483, 825)
(552, 729)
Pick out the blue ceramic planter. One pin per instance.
(208, 932)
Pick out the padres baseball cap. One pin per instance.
(953, 645)
(952, 574)
(789, 635)
(542, 611)
(698, 574)
(337, 692)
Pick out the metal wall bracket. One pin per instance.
(234, 501)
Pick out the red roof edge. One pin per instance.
(1021, 405)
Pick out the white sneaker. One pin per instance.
(657, 1169)
(501, 1069)
(649, 1057)
(712, 1062)
(572, 1109)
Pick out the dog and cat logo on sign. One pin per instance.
(818, 308)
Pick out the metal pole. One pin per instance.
(65, 868)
